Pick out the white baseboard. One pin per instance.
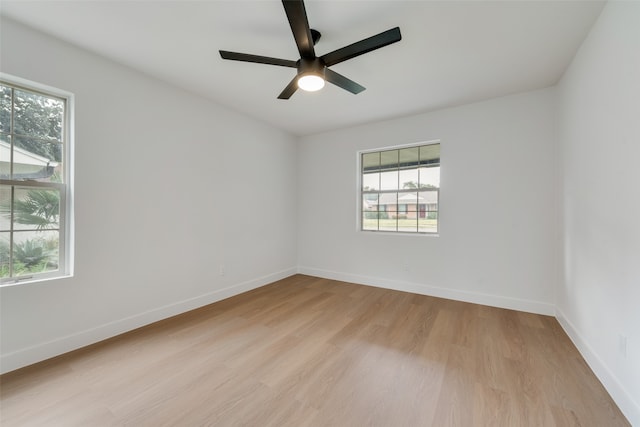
(619, 394)
(418, 288)
(30, 355)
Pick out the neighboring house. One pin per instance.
(26, 164)
(406, 204)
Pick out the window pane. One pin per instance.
(370, 161)
(408, 225)
(36, 209)
(430, 154)
(37, 160)
(408, 179)
(409, 157)
(430, 177)
(389, 180)
(5, 157)
(386, 200)
(5, 109)
(5, 207)
(409, 199)
(388, 224)
(35, 252)
(392, 211)
(370, 202)
(429, 199)
(429, 224)
(38, 116)
(371, 181)
(4, 254)
(370, 220)
(389, 159)
(370, 225)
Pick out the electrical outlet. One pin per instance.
(222, 270)
(622, 345)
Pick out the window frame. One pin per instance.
(65, 189)
(360, 210)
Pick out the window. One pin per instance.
(34, 181)
(400, 189)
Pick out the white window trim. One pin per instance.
(67, 252)
(359, 192)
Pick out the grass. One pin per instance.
(424, 225)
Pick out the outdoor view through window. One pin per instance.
(33, 186)
(400, 189)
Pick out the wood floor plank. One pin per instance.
(306, 351)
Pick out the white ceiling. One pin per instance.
(451, 53)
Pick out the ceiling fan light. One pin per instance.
(310, 82)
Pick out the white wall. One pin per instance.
(499, 235)
(169, 186)
(599, 106)
(154, 225)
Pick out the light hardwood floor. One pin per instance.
(313, 352)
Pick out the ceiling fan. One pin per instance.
(314, 70)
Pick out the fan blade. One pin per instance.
(245, 57)
(297, 16)
(343, 82)
(363, 46)
(290, 89)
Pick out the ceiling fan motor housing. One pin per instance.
(313, 66)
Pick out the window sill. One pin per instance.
(5, 283)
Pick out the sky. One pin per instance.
(393, 180)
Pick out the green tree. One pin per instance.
(32, 122)
(33, 254)
(38, 121)
(5, 109)
(40, 208)
(412, 185)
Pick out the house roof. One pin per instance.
(25, 163)
(408, 198)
